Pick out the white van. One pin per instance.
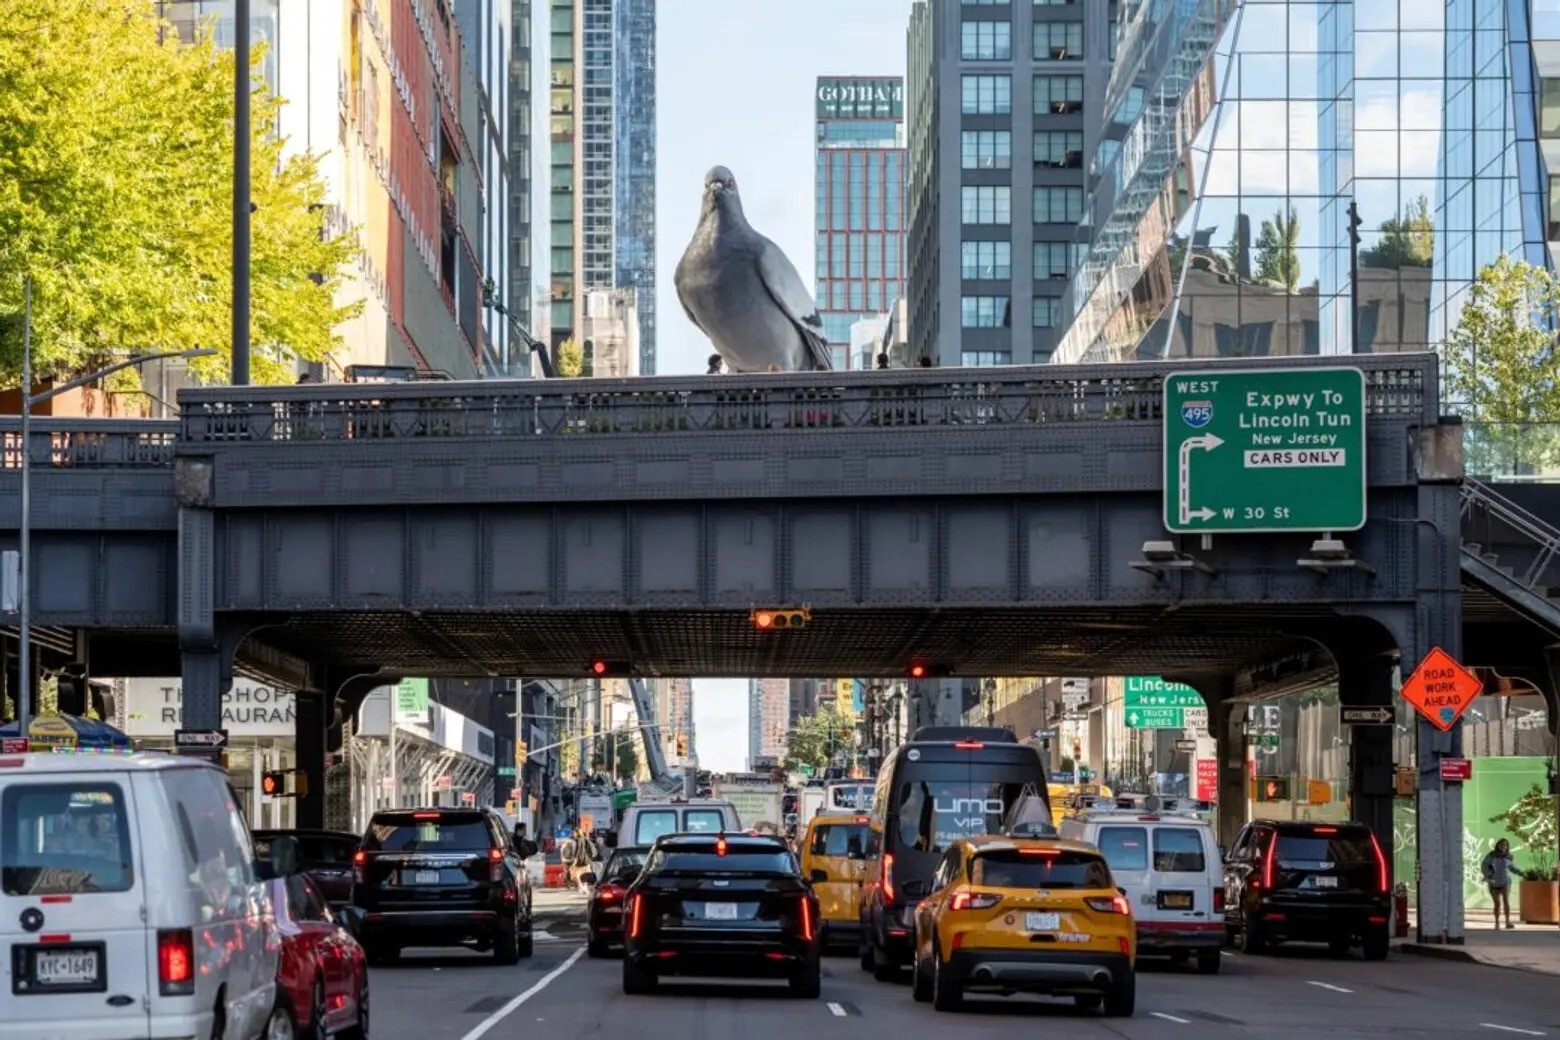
(1169, 866)
(128, 902)
(643, 822)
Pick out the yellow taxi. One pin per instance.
(1025, 915)
(834, 862)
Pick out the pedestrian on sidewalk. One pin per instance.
(579, 858)
(1497, 874)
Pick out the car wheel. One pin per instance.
(360, 1030)
(883, 969)
(920, 981)
(597, 949)
(637, 981)
(866, 955)
(280, 1026)
(1088, 1001)
(1339, 947)
(1121, 998)
(947, 994)
(1377, 944)
(527, 941)
(808, 982)
(506, 945)
(1208, 961)
(1251, 938)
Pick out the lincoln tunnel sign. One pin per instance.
(1250, 450)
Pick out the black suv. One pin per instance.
(1310, 882)
(442, 877)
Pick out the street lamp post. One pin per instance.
(24, 562)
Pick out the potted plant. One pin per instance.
(1531, 823)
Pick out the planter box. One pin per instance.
(1538, 902)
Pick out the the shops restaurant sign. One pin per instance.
(152, 707)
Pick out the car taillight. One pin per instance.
(1382, 877)
(175, 963)
(609, 893)
(886, 879)
(964, 899)
(1218, 900)
(1116, 904)
(1270, 862)
(359, 866)
(807, 923)
(636, 916)
(495, 865)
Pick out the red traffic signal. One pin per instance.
(598, 668)
(601, 668)
(917, 670)
(785, 618)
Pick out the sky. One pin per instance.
(734, 87)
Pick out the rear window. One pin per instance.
(1178, 850)
(446, 832)
(66, 838)
(1040, 869)
(704, 821)
(623, 864)
(1125, 848)
(651, 824)
(737, 860)
(834, 839)
(1337, 848)
(319, 849)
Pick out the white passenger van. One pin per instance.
(129, 906)
(1169, 866)
(643, 822)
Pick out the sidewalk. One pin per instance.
(1528, 947)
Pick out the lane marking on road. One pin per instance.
(836, 1010)
(483, 1027)
(1329, 985)
(1171, 1018)
(1512, 1029)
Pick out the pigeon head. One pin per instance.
(720, 192)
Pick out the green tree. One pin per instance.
(571, 359)
(1531, 821)
(1235, 252)
(115, 198)
(814, 739)
(1406, 241)
(627, 755)
(1278, 252)
(1502, 369)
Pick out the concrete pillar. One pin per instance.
(312, 720)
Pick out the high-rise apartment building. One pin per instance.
(602, 161)
(769, 721)
(609, 333)
(521, 290)
(674, 712)
(486, 38)
(1002, 110)
(859, 176)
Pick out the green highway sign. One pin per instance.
(1264, 450)
(1156, 718)
(1150, 691)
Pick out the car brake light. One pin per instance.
(495, 865)
(886, 879)
(969, 745)
(861, 819)
(1270, 862)
(1326, 830)
(425, 816)
(1116, 904)
(1218, 900)
(609, 893)
(175, 962)
(1381, 863)
(1046, 853)
(807, 925)
(636, 916)
(964, 899)
(359, 862)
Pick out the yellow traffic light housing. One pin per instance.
(521, 754)
(780, 619)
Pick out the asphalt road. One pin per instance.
(1298, 994)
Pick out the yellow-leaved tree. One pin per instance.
(116, 155)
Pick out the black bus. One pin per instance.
(946, 783)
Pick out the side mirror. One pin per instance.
(1120, 889)
(351, 918)
(817, 876)
(588, 878)
(609, 839)
(283, 857)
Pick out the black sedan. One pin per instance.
(718, 905)
(326, 856)
(604, 915)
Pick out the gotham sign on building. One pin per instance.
(861, 99)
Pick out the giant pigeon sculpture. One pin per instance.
(743, 293)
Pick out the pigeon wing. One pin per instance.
(677, 280)
(786, 289)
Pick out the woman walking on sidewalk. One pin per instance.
(1497, 874)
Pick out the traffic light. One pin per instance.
(273, 783)
(768, 620)
(917, 670)
(1272, 788)
(682, 743)
(602, 669)
(921, 669)
(521, 753)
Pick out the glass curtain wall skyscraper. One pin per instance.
(1247, 154)
(1003, 112)
(633, 184)
(519, 202)
(860, 219)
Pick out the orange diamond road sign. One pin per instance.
(1441, 689)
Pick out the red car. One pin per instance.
(322, 975)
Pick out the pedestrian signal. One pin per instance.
(273, 783)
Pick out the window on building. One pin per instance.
(1057, 95)
(837, 256)
(986, 204)
(1056, 3)
(874, 296)
(891, 257)
(874, 256)
(986, 149)
(984, 3)
(1554, 209)
(1054, 205)
(1046, 309)
(984, 312)
(857, 296)
(991, 95)
(986, 41)
(1051, 260)
(985, 259)
(1059, 149)
(1058, 41)
(985, 358)
(858, 248)
(1112, 40)
(1549, 115)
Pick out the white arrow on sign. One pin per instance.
(1205, 442)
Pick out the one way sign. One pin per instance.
(1365, 716)
(200, 740)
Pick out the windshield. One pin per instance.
(446, 832)
(705, 860)
(60, 839)
(834, 839)
(934, 813)
(1037, 868)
